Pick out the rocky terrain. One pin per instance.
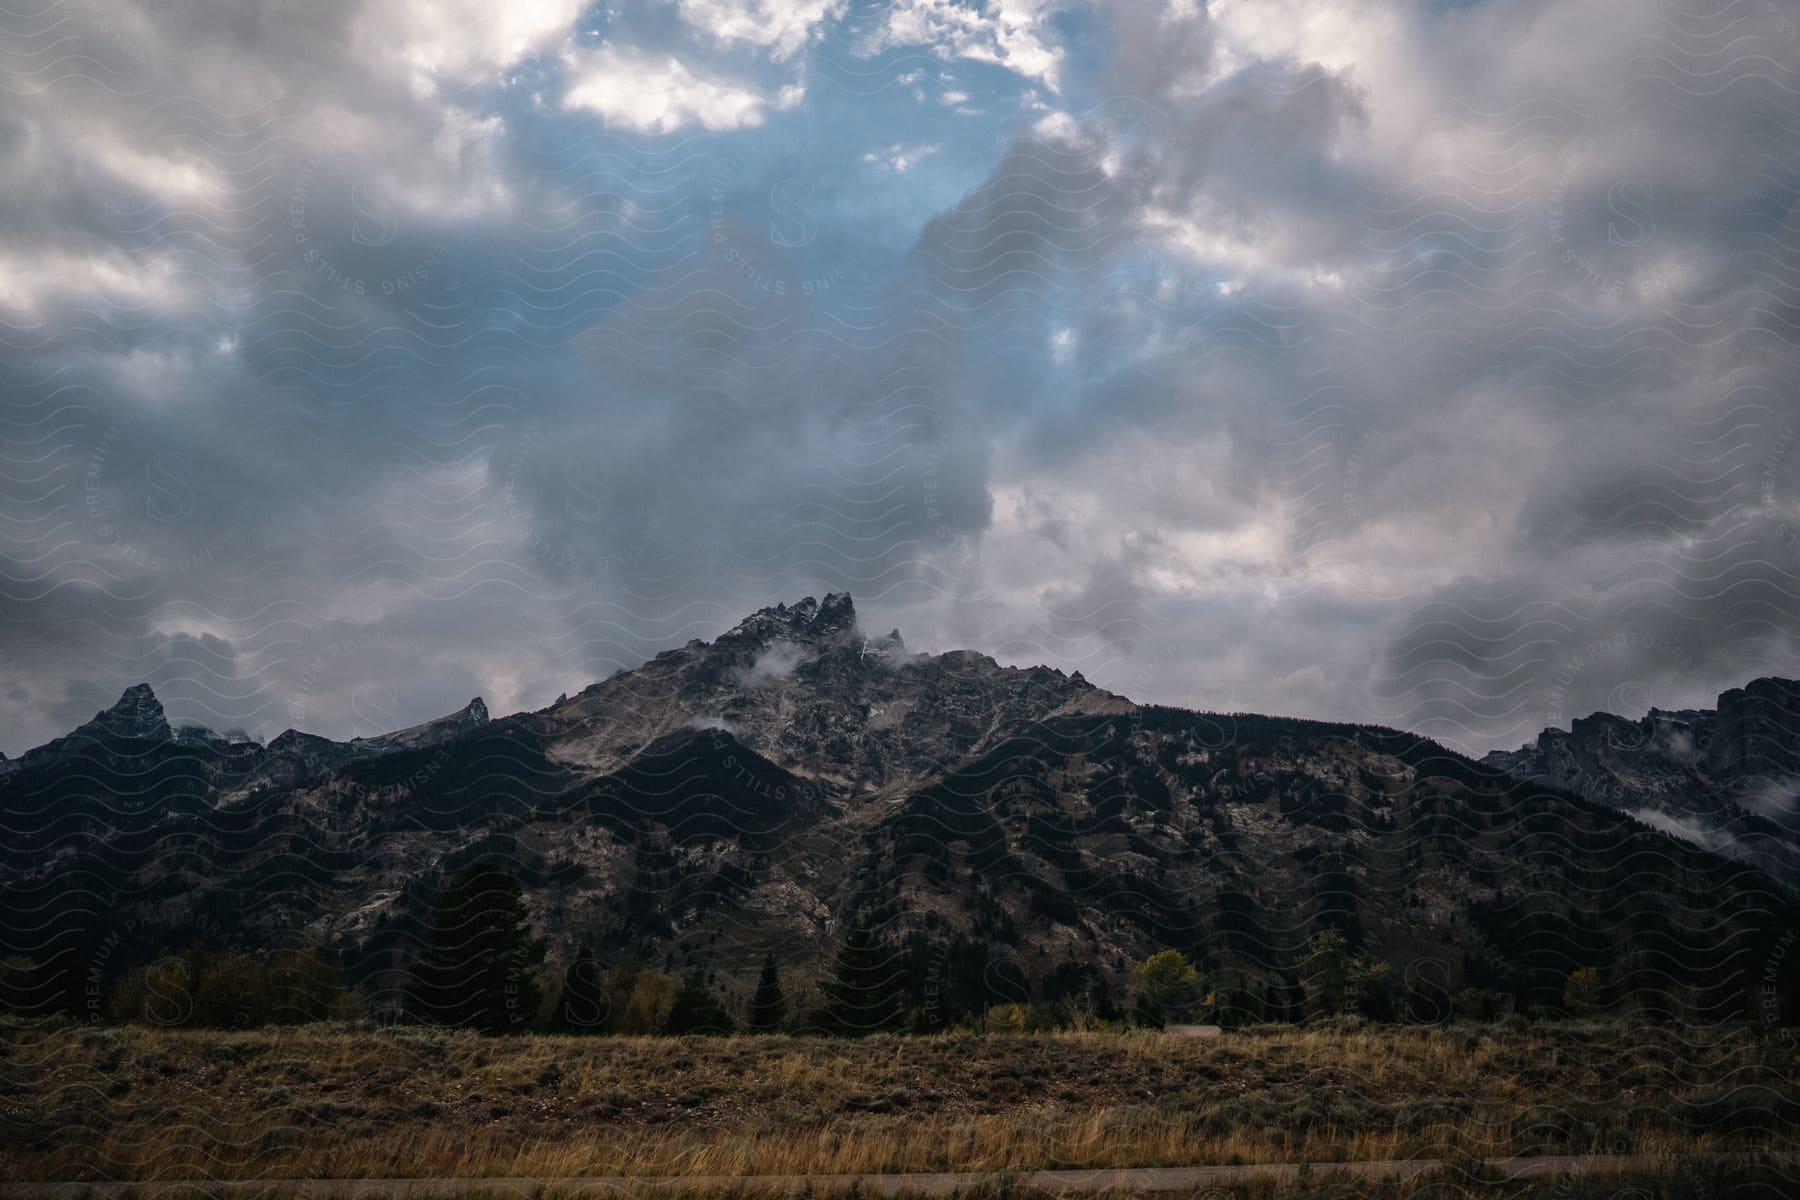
(1726, 778)
(1017, 831)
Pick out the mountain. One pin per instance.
(1726, 778)
(1012, 831)
(137, 717)
(803, 687)
(435, 732)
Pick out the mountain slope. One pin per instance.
(1016, 832)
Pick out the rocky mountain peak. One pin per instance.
(293, 741)
(137, 714)
(1722, 777)
(428, 733)
(801, 685)
(891, 644)
(809, 620)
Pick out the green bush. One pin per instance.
(208, 990)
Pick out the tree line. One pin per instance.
(479, 967)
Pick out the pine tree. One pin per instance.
(1100, 1001)
(475, 967)
(582, 1008)
(1328, 973)
(866, 993)
(768, 1007)
(696, 1009)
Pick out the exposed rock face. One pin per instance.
(430, 733)
(134, 721)
(1756, 735)
(138, 714)
(802, 687)
(1015, 830)
(1723, 778)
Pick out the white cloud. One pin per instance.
(1008, 33)
(655, 94)
(459, 41)
(777, 662)
(169, 178)
(32, 280)
(900, 157)
(780, 27)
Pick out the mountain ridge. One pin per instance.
(1014, 831)
(1725, 778)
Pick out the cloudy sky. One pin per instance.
(1415, 361)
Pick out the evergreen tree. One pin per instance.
(475, 967)
(1328, 973)
(1240, 1003)
(696, 1009)
(768, 1007)
(1100, 1001)
(866, 994)
(582, 1008)
(1377, 990)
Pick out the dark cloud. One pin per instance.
(1377, 361)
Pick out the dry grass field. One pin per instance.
(1675, 1181)
(137, 1103)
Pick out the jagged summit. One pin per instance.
(892, 645)
(293, 741)
(135, 719)
(427, 733)
(810, 620)
(1724, 778)
(137, 714)
(803, 686)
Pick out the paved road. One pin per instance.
(1143, 1179)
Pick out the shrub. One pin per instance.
(1478, 1004)
(1168, 983)
(209, 990)
(1581, 992)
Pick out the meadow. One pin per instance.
(145, 1104)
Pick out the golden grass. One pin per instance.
(322, 1102)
